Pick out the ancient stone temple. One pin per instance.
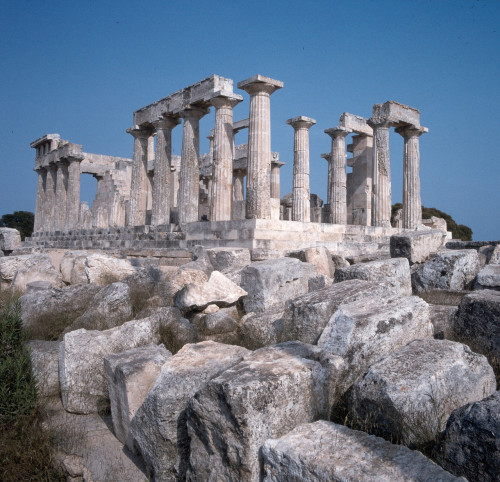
(229, 196)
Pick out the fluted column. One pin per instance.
(73, 198)
(412, 205)
(260, 88)
(239, 185)
(275, 179)
(40, 199)
(61, 195)
(139, 187)
(337, 174)
(222, 174)
(381, 179)
(301, 202)
(189, 187)
(50, 199)
(163, 165)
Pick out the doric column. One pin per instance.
(189, 188)
(338, 195)
(412, 205)
(40, 199)
(163, 165)
(275, 179)
(381, 179)
(239, 184)
(61, 195)
(73, 199)
(50, 199)
(222, 174)
(259, 145)
(301, 203)
(139, 186)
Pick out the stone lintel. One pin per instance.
(395, 113)
(356, 124)
(337, 131)
(241, 124)
(44, 139)
(67, 151)
(225, 94)
(199, 93)
(301, 121)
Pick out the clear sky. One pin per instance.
(80, 68)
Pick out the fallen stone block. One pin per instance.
(443, 319)
(416, 246)
(478, 321)
(72, 267)
(395, 271)
(158, 428)
(218, 290)
(220, 325)
(81, 354)
(130, 375)
(408, 395)
(324, 451)
(453, 270)
(44, 357)
(10, 239)
(228, 258)
(485, 253)
(271, 283)
(319, 256)
(266, 395)
(495, 255)
(488, 278)
(470, 445)
(339, 261)
(104, 269)
(258, 330)
(176, 331)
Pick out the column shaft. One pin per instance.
(239, 185)
(275, 180)
(40, 200)
(381, 179)
(73, 199)
(139, 182)
(50, 199)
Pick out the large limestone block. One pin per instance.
(159, 428)
(228, 258)
(319, 256)
(272, 282)
(323, 451)
(81, 354)
(104, 269)
(44, 357)
(218, 290)
(409, 395)
(184, 277)
(495, 255)
(416, 246)
(72, 267)
(395, 271)
(470, 445)
(10, 239)
(488, 278)
(258, 330)
(360, 333)
(219, 324)
(453, 270)
(266, 395)
(478, 321)
(110, 307)
(306, 316)
(55, 305)
(130, 375)
(18, 271)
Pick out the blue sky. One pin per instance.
(81, 68)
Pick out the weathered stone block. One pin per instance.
(159, 427)
(10, 239)
(409, 394)
(488, 278)
(44, 357)
(416, 246)
(258, 330)
(130, 375)
(103, 269)
(443, 319)
(232, 416)
(324, 451)
(228, 258)
(319, 256)
(72, 267)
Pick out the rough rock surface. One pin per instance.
(488, 278)
(159, 427)
(218, 290)
(72, 267)
(395, 271)
(44, 357)
(449, 270)
(258, 330)
(103, 269)
(443, 319)
(478, 321)
(81, 354)
(228, 258)
(67, 303)
(271, 283)
(362, 333)
(10, 239)
(323, 451)
(495, 255)
(266, 395)
(220, 326)
(319, 256)
(470, 445)
(410, 394)
(110, 307)
(185, 276)
(416, 246)
(130, 375)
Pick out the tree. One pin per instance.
(459, 231)
(23, 221)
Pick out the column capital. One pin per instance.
(139, 132)
(327, 156)
(277, 164)
(301, 122)
(378, 124)
(260, 83)
(338, 131)
(410, 131)
(194, 112)
(166, 122)
(222, 99)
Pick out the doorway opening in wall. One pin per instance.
(88, 189)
